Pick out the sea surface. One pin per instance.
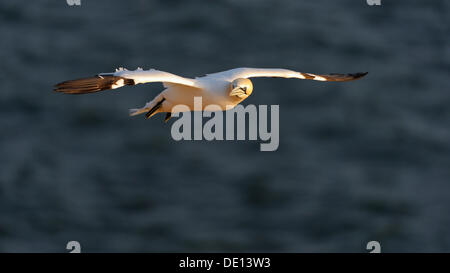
(357, 161)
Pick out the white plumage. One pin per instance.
(225, 89)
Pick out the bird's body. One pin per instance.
(225, 89)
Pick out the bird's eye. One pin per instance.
(244, 88)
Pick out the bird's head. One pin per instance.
(241, 88)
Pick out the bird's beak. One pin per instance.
(237, 92)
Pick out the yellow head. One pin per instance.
(241, 88)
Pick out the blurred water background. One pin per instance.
(359, 161)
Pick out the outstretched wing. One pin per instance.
(236, 73)
(122, 77)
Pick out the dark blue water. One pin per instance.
(359, 161)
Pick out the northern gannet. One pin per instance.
(225, 89)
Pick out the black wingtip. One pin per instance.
(355, 76)
(92, 84)
(360, 75)
(337, 77)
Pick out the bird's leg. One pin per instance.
(154, 109)
(168, 116)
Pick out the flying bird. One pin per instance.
(225, 89)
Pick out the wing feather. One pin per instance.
(122, 77)
(285, 73)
